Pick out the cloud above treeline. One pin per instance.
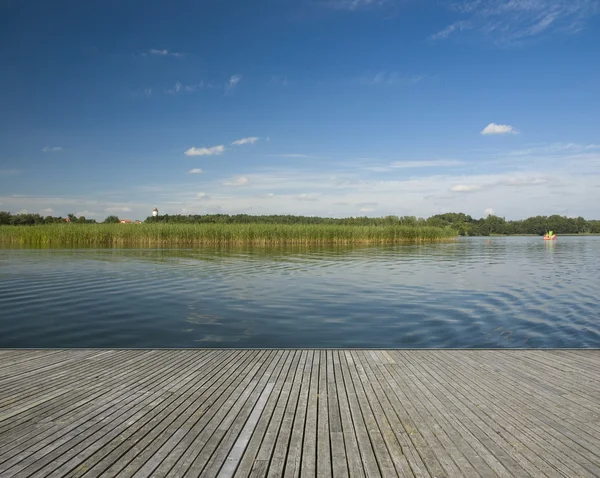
(249, 140)
(214, 150)
(494, 128)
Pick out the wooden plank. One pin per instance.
(529, 437)
(354, 463)
(339, 460)
(249, 461)
(365, 447)
(200, 434)
(299, 413)
(309, 446)
(282, 445)
(53, 451)
(294, 456)
(98, 451)
(389, 440)
(231, 427)
(384, 459)
(450, 419)
(324, 465)
(225, 375)
(276, 416)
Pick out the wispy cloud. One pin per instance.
(555, 148)
(195, 171)
(465, 188)
(9, 172)
(489, 212)
(163, 52)
(233, 82)
(353, 4)
(426, 164)
(51, 149)
(494, 128)
(180, 88)
(202, 196)
(308, 197)
(249, 140)
(449, 30)
(291, 155)
(513, 21)
(389, 78)
(117, 209)
(238, 181)
(214, 150)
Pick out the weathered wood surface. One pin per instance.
(297, 413)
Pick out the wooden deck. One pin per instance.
(302, 413)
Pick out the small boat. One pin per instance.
(549, 236)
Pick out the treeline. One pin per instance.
(27, 219)
(464, 224)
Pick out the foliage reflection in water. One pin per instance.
(510, 292)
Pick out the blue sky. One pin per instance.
(315, 107)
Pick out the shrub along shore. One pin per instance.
(219, 234)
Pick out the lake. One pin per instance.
(509, 292)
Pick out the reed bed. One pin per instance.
(217, 234)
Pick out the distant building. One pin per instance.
(67, 219)
(154, 212)
(125, 221)
(137, 221)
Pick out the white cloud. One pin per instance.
(555, 148)
(449, 30)
(494, 128)
(117, 209)
(426, 164)
(489, 212)
(365, 210)
(515, 21)
(195, 171)
(46, 211)
(249, 140)
(180, 88)
(202, 196)
(164, 52)
(51, 149)
(353, 4)
(465, 188)
(308, 197)
(233, 82)
(88, 214)
(215, 150)
(239, 181)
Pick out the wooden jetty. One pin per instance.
(299, 413)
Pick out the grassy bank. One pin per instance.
(209, 234)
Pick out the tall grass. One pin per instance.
(215, 234)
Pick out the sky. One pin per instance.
(331, 108)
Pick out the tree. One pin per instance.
(111, 220)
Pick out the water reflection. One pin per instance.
(510, 292)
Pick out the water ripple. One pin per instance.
(512, 292)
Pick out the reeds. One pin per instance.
(216, 234)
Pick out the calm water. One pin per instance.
(512, 292)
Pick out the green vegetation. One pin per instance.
(245, 229)
(464, 224)
(198, 234)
